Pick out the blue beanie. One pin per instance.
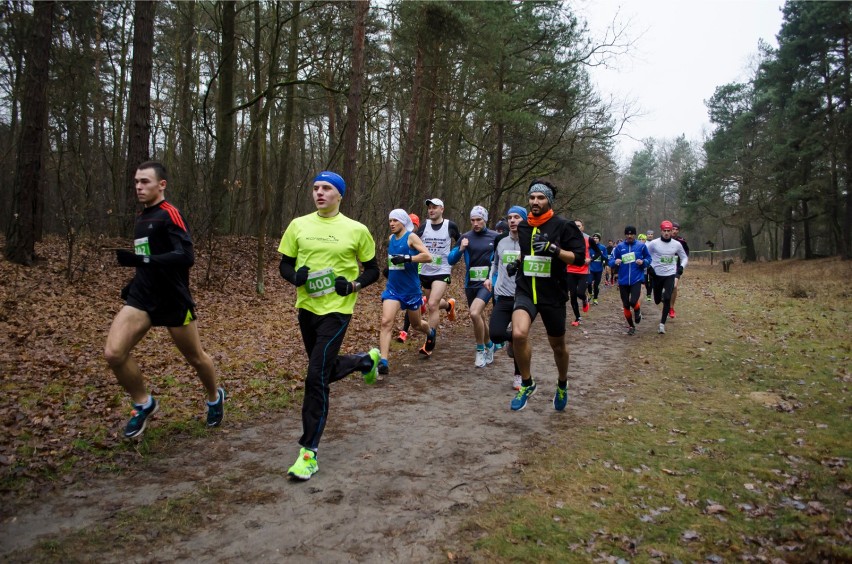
(332, 178)
(518, 210)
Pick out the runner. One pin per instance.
(676, 236)
(506, 251)
(403, 335)
(477, 248)
(665, 253)
(438, 235)
(649, 270)
(320, 255)
(405, 252)
(596, 268)
(630, 256)
(578, 277)
(548, 243)
(609, 275)
(158, 296)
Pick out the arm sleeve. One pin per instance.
(684, 258)
(453, 230)
(287, 268)
(181, 254)
(370, 274)
(455, 255)
(572, 240)
(685, 247)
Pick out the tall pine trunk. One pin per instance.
(26, 199)
(139, 107)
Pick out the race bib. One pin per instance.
(627, 258)
(537, 266)
(437, 260)
(510, 256)
(478, 273)
(392, 266)
(668, 260)
(320, 283)
(142, 247)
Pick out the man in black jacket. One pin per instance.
(158, 296)
(548, 243)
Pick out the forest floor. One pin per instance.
(405, 465)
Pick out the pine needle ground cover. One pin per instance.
(729, 438)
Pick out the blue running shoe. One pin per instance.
(560, 400)
(384, 368)
(140, 415)
(216, 412)
(520, 400)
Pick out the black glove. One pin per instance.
(399, 259)
(301, 276)
(343, 287)
(513, 267)
(543, 245)
(129, 258)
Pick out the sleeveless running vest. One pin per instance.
(402, 278)
(439, 243)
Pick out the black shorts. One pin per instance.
(426, 280)
(473, 293)
(173, 315)
(553, 316)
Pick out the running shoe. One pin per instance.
(139, 418)
(637, 315)
(451, 311)
(403, 335)
(671, 313)
(585, 307)
(516, 382)
(383, 366)
(560, 399)
(423, 307)
(631, 330)
(497, 346)
(520, 400)
(370, 375)
(489, 354)
(216, 412)
(648, 298)
(662, 329)
(595, 301)
(575, 323)
(305, 466)
(480, 359)
(429, 345)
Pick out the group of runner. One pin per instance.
(530, 269)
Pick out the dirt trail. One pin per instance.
(401, 463)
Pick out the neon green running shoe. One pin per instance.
(376, 357)
(305, 466)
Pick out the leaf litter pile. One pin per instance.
(61, 409)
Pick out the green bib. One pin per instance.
(537, 266)
(320, 283)
(478, 273)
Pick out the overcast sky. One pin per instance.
(682, 51)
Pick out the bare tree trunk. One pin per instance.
(353, 101)
(21, 232)
(787, 238)
(224, 120)
(289, 117)
(139, 107)
(410, 148)
(186, 79)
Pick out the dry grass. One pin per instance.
(733, 443)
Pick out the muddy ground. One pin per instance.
(401, 463)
